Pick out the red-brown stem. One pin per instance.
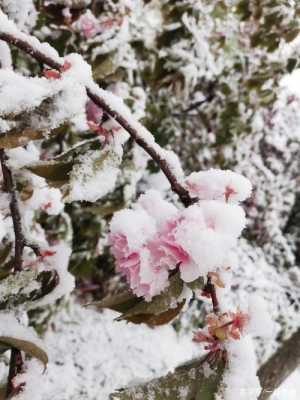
(210, 288)
(9, 187)
(164, 166)
(16, 362)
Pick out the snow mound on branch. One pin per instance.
(97, 355)
(240, 380)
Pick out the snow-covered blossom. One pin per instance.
(88, 24)
(220, 328)
(93, 112)
(216, 184)
(196, 240)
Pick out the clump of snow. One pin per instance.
(5, 55)
(23, 13)
(11, 327)
(46, 199)
(240, 380)
(20, 156)
(261, 323)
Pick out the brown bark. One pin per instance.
(281, 364)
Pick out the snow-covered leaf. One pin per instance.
(161, 309)
(25, 287)
(121, 302)
(189, 382)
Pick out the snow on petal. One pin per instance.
(154, 204)
(135, 225)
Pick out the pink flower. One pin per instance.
(93, 113)
(88, 25)
(155, 237)
(212, 343)
(143, 277)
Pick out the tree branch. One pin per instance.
(281, 364)
(153, 149)
(189, 378)
(16, 362)
(9, 187)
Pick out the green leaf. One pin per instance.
(26, 287)
(53, 172)
(4, 252)
(161, 303)
(28, 347)
(160, 310)
(120, 302)
(291, 64)
(198, 284)
(104, 68)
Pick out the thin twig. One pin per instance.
(9, 187)
(176, 186)
(211, 290)
(16, 361)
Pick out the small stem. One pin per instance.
(210, 288)
(16, 362)
(9, 187)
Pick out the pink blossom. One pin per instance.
(93, 113)
(155, 237)
(216, 184)
(144, 279)
(88, 25)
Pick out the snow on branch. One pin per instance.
(111, 104)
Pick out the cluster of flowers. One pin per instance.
(155, 237)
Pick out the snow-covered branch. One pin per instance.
(113, 106)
